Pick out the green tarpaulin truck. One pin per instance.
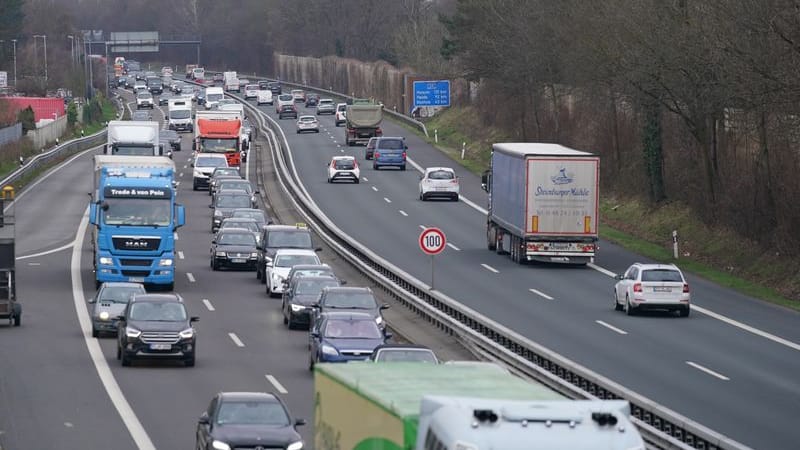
(408, 406)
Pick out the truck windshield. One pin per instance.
(137, 212)
(217, 145)
(214, 97)
(180, 114)
(132, 150)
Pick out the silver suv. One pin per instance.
(652, 287)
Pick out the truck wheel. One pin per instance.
(498, 246)
(95, 333)
(403, 167)
(170, 286)
(258, 274)
(491, 238)
(18, 319)
(189, 362)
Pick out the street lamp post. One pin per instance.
(71, 49)
(14, 44)
(44, 38)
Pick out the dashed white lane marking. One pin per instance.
(185, 166)
(720, 317)
(708, 371)
(180, 174)
(175, 235)
(490, 268)
(190, 277)
(540, 293)
(177, 183)
(611, 327)
(364, 178)
(277, 384)
(423, 227)
(338, 145)
(236, 339)
(180, 255)
(34, 264)
(403, 213)
(387, 200)
(453, 247)
(208, 304)
(342, 150)
(68, 424)
(374, 189)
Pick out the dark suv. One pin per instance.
(156, 326)
(274, 237)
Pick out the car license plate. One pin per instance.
(662, 289)
(559, 246)
(160, 346)
(440, 189)
(136, 279)
(238, 260)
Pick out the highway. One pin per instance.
(62, 389)
(730, 366)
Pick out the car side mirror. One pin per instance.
(388, 335)
(619, 277)
(385, 306)
(203, 419)
(92, 300)
(194, 319)
(121, 318)
(299, 422)
(213, 241)
(315, 334)
(315, 305)
(342, 282)
(269, 264)
(318, 249)
(211, 206)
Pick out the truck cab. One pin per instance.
(10, 309)
(133, 138)
(179, 114)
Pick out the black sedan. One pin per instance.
(233, 247)
(247, 420)
(172, 137)
(163, 99)
(298, 297)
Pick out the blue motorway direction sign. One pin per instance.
(432, 93)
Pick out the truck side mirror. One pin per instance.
(485, 181)
(105, 149)
(203, 419)
(93, 213)
(181, 216)
(194, 147)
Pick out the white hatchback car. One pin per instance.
(343, 168)
(307, 123)
(440, 182)
(250, 91)
(278, 269)
(652, 286)
(264, 97)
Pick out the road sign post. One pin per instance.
(432, 241)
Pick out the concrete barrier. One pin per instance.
(10, 134)
(48, 133)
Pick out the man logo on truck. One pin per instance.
(563, 177)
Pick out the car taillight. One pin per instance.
(404, 155)
(637, 287)
(377, 155)
(454, 181)
(685, 288)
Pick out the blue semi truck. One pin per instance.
(135, 214)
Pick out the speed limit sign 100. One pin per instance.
(432, 241)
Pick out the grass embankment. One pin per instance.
(717, 255)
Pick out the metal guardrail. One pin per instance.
(660, 427)
(59, 151)
(398, 116)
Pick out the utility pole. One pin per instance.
(14, 41)
(44, 38)
(71, 49)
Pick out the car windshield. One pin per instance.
(252, 413)
(211, 162)
(662, 275)
(158, 311)
(293, 260)
(350, 300)
(132, 150)
(285, 97)
(216, 145)
(240, 185)
(325, 102)
(237, 239)
(257, 215)
(307, 119)
(247, 225)
(233, 201)
(226, 171)
(214, 97)
(136, 211)
(251, 87)
(180, 114)
(145, 95)
(441, 175)
(313, 272)
(391, 144)
(352, 329)
(311, 287)
(289, 239)
(344, 164)
(119, 294)
(402, 355)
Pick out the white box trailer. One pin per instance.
(129, 137)
(543, 202)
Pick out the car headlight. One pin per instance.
(379, 320)
(328, 350)
(254, 255)
(197, 174)
(187, 333)
(219, 445)
(221, 254)
(165, 262)
(132, 332)
(295, 446)
(297, 308)
(104, 315)
(217, 213)
(105, 260)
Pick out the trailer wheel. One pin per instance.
(18, 319)
(491, 237)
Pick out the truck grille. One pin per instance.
(136, 273)
(136, 243)
(158, 337)
(136, 262)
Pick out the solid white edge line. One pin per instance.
(276, 384)
(611, 327)
(490, 268)
(126, 413)
(423, 227)
(236, 339)
(540, 293)
(190, 277)
(720, 317)
(708, 371)
(46, 252)
(208, 304)
(453, 247)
